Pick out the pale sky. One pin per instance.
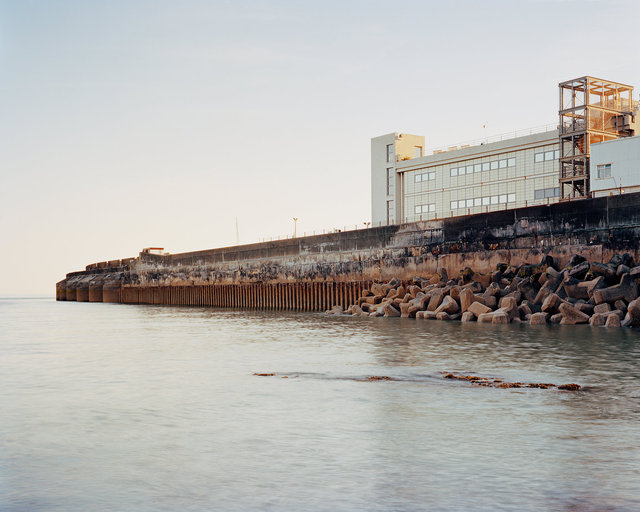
(127, 124)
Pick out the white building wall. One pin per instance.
(518, 172)
(380, 195)
(623, 157)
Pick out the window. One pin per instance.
(502, 163)
(417, 151)
(432, 176)
(469, 169)
(391, 178)
(477, 201)
(462, 170)
(454, 205)
(604, 171)
(454, 171)
(503, 198)
(469, 203)
(546, 155)
(477, 168)
(485, 201)
(544, 193)
(486, 166)
(494, 199)
(494, 165)
(390, 212)
(511, 162)
(417, 178)
(389, 152)
(511, 198)
(425, 208)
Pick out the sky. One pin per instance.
(129, 124)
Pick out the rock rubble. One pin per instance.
(581, 292)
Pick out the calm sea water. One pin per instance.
(109, 407)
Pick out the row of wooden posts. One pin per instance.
(305, 296)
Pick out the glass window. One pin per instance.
(432, 175)
(454, 171)
(477, 168)
(477, 201)
(417, 151)
(503, 164)
(485, 201)
(417, 178)
(432, 207)
(604, 171)
(503, 198)
(418, 210)
(469, 203)
(538, 157)
(462, 170)
(469, 169)
(486, 166)
(556, 192)
(391, 181)
(390, 212)
(538, 194)
(494, 199)
(548, 192)
(389, 152)
(454, 205)
(494, 165)
(511, 198)
(511, 162)
(548, 155)
(556, 154)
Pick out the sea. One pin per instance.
(112, 407)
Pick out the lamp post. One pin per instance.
(295, 226)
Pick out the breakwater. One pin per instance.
(316, 273)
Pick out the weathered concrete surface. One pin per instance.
(595, 228)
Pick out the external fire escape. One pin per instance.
(591, 110)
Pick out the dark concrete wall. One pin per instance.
(595, 227)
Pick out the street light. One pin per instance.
(295, 226)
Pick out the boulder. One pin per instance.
(555, 319)
(613, 321)
(539, 318)
(585, 308)
(579, 271)
(602, 308)
(571, 316)
(509, 306)
(551, 303)
(626, 289)
(404, 310)
(622, 269)
(335, 310)
(492, 290)
(478, 309)
(500, 317)
(435, 300)
(468, 316)
(485, 318)
(524, 309)
(390, 310)
(598, 319)
(466, 299)
(448, 305)
(632, 318)
(621, 305)
(442, 315)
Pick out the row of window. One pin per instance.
(391, 179)
(543, 193)
(427, 176)
(546, 155)
(425, 208)
(483, 201)
(486, 166)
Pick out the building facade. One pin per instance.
(598, 121)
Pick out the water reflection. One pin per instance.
(113, 407)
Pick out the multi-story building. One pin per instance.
(525, 170)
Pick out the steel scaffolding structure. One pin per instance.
(591, 110)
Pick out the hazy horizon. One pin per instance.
(133, 124)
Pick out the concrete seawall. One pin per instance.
(317, 272)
